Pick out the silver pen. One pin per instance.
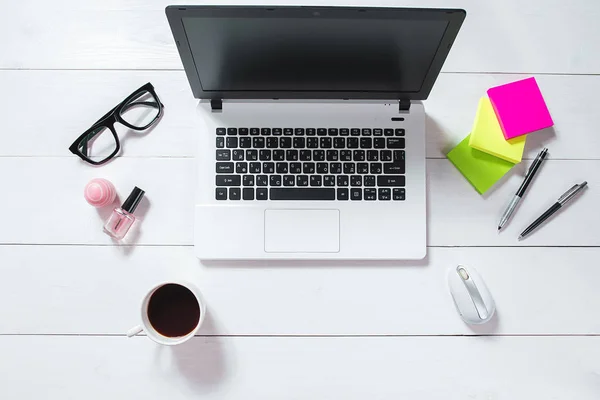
(512, 206)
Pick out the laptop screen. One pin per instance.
(313, 54)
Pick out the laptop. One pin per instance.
(313, 134)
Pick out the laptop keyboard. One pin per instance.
(298, 164)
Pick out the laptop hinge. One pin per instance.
(216, 105)
(403, 105)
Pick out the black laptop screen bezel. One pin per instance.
(175, 15)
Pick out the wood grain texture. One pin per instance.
(301, 368)
(514, 36)
(98, 290)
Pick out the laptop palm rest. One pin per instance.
(302, 231)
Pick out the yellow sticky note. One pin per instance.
(487, 135)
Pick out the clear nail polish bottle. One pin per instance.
(122, 218)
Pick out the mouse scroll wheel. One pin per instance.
(463, 273)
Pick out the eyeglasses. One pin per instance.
(100, 143)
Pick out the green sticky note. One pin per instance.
(482, 170)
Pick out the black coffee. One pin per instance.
(173, 310)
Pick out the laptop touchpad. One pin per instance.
(302, 231)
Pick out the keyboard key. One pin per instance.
(311, 131)
(345, 155)
(399, 194)
(342, 180)
(352, 143)
(237, 155)
(325, 142)
(372, 155)
(288, 131)
(332, 131)
(220, 142)
(388, 132)
(224, 168)
(254, 131)
(278, 155)
(395, 143)
(332, 155)
(285, 143)
(268, 167)
(223, 155)
(366, 132)
(251, 155)
(264, 155)
(299, 142)
(355, 180)
(322, 132)
(322, 168)
(262, 194)
(262, 180)
(302, 180)
(232, 131)
(400, 132)
(258, 142)
(385, 155)
(369, 180)
(305, 155)
(393, 168)
(248, 180)
(231, 142)
(299, 131)
(221, 194)
(281, 168)
(329, 180)
(339, 143)
(318, 155)
(355, 132)
(275, 180)
(335, 168)
(356, 194)
(379, 143)
(289, 180)
(272, 142)
(366, 143)
(302, 194)
(315, 180)
(342, 194)
(221, 131)
(308, 168)
(358, 155)
(255, 168)
(295, 168)
(243, 131)
(376, 168)
(362, 168)
(384, 194)
(291, 155)
(241, 167)
(248, 193)
(277, 132)
(344, 132)
(312, 143)
(390, 180)
(399, 155)
(234, 193)
(377, 132)
(349, 168)
(245, 142)
(265, 131)
(370, 194)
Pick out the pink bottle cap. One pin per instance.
(99, 192)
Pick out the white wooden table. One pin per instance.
(294, 330)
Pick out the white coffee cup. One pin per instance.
(152, 333)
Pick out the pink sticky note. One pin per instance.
(520, 108)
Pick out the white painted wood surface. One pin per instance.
(65, 63)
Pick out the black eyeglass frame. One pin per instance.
(108, 120)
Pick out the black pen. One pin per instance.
(568, 195)
(512, 206)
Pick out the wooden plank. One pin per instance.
(98, 290)
(79, 98)
(522, 368)
(47, 206)
(534, 36)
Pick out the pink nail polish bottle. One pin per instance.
(122, 218)
(99, 192)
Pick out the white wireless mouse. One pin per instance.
(471, 296)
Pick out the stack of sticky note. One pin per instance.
(497, 140)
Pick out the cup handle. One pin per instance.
(134, 331)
